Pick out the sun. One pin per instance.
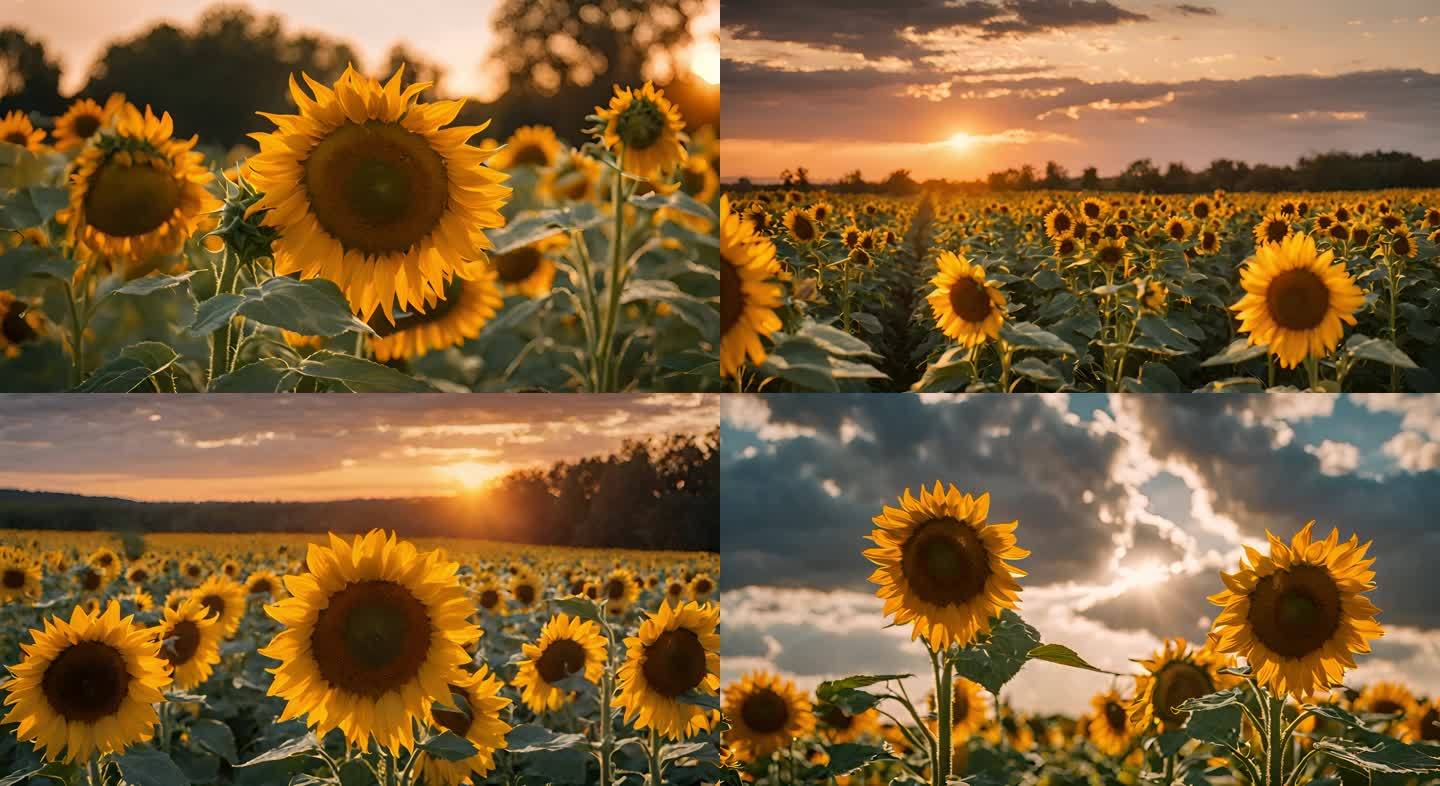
(705, 61)
(961, 141)
(471, 475)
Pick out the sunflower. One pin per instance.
(676, 651)
(675, 589)
(1177, 229)
(801, 224)
(20, 323)
(1201, 208)
(1110, 252)
(644, 130)
(1059, 223)
(469, 303)
(189, 639)
(86, 686)
(528, 270)
(969, 709)
(105, 560)
(1387, 698)
(225, 599)
(1296, 299)
(192, 570)
(701, 586)
(529, 146)
(264, 583)
(747, 298)
(373, 632)
(765, 711)
(567, 645)
(525, 588)
(619, 590)
(367, 190)
(476, 719)
(16, 129)
(83, 119)
(967, 308)
(1207, 242)
(1066, 246)
(137, 193)
(1400, 244)
(1299, 614)
(1273, 228)
(699, 179)
(230, 568)
(138, 573)
(20, 576)
(575, 179)
(1093, 209)
(1110, 728)
(942, 567)
(1424, 724)
(1174, 674)
(143, 600)
(1152, 295)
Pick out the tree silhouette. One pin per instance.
(29, 78)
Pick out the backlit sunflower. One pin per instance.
(83, 119)
(800, 224)
(16, 129)
(1177, 229)
(676, 651)
(1387, 698)
(1110, 252)
(1109, 729)
(369, 191)
(225, 599)
(469, 303)
(942, 567)
(1296, 299)
(700, 180)
(1400, 244)
(1273, 228)
(766, 712)
(839, 726)
(189, 639)
(137, 193)
(1298, 614)
(967, 308)
(1059, 223)
(86, 686)
(529, 146)
(644, 130)
(567, 645)
(574, 179)
(747, 297)
(1174, 674)
(528, 270)
(374, 632)
(20, 576)
(478, 721)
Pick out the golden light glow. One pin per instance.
(471, 475)
(705, 60)
(961, 141)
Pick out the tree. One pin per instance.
(802, 177)
(1141, 175)
(1178, 179)
(1090, 179)
(900, 182)
(853, 179)
(29, 78)
(1055, 176)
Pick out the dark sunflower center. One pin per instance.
(1177, 231)
(517, 265)
(675, 663)
(945, 562)
(13, 325)
(1109, 255)
(970, 300)
(193, 571)
(1275, 231)
(1092, 211)
(1176, 683)
(530, 155)
(260, 587)
(525, 593)
(1294, 612)
(615, 589)
(804, 230)
(694, 181)
(87, 681)
(1202, 210)
(86, 126)
(702, 586)
(1401, 245)
(128, 201)
(732, 297)
(489, 599)
(14, 578)
(376, 187)
(575, 186)
(1062, 223)
(139, 576)
(835, 718)
(455, 720)
(17, 138)
(640, 125)
(560, 659)
(90, 580)
(765, 712)
(1115, 716)
(105, 560)
(1298, 300)
(1430, 725)
(675, 589)
(372, 638)
(1386, 707)
(215, 604)
(184, 641)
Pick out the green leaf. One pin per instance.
(1169, 743)
(29, 261)
(315, 307)
(835, 341)
(695, 311)
(854, 702)
(530, 228)
(449, 746)
(142, 765)
(800, 361)
(300, 746)
(1039, 371)
(31, 207)
(1064, 656)
(679, 200)
(703, 750)
(1379, 753)
(356, 773)
(1025, 335)
(997, 658)
(151, 284)
(952, 371)
(1156, 330)
(581, 607)
(1215, 718)
(851, 756)
(1154, 378)
(868, 323)
(699, 698)
(216, 737)
(533, 738)
(1213, 701)
(136, 364)
(1239, 351)
(1381, 351)
(211, 314)
(359, 375)
(266, 375)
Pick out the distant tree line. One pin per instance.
(660, 494)
(1335, 171)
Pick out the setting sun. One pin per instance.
(705, 61)
(471, 475)
(961, 141)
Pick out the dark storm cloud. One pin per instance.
(1191, 9)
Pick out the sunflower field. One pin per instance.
(1046, 291)
(1261, 701)
(368, 244)
(174, 659)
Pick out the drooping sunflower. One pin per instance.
(1110, 729)
(1273, 228)
(676, 651)
(644, 130)
(747, 297)
(530, 146)
(1173, 674)
(766, 712)
(83, 120)
(137, 193)
(528, 270)
(86, 686)
(1387, 698)
(20, 576)
(1299, 614)
(470, 302)
(189, 638)
(373, 632)
(1296, 299)
(839, 726)
(942, 567)
(368, 190)
(226, 601)
(478, 721)
(968, 308)
(16, 129)
(567, 645)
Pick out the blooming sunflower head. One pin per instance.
(225, 599)
(20, 576)
(1273, 228)
(16, 129)
(766, 712)
(747, 297)
(1299, 614)
(472, 712)
(83, 120)
(1296, 300)
(1174, 674)
(967, 307)
(676, 651)
(1109, 726)
(567, 646)
(801, 224)
(189, 638)
(942, 567)
(644, 130)
(529, 146)
(471, 300)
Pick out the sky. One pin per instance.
(1130, 506)
(210, 448)
(961, 89)
(454, 33)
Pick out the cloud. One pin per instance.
(1107, 105)
(1413, 452)
(1190, 9)
(1336, 458)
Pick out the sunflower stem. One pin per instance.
(1312, 365)
(1275, 750)
(92, 772)
(944, 699)
(605, 723)
(1394, 336)
(655, 766)
(220, 339)
(77, 339)
(617, 254)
